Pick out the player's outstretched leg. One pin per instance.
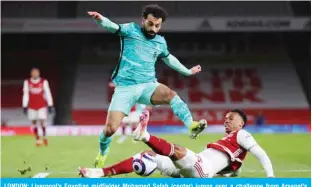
(158, 145)
(183, 158)
(113, 121)
(164, 165)
(122, 167)
(164, 95)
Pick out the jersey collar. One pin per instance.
(35, 80)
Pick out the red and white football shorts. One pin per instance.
(40, 114)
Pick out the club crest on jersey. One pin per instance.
(199, 160)
(35, 90)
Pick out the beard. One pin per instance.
(148, 34)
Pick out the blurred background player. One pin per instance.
(135, 78)
(36, 98)
(130, 122)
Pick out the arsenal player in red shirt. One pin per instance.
(223, 157)
(36, 100)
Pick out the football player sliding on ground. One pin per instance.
(222, 157)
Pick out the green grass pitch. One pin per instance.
(290, 154)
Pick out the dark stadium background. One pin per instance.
(60, 54)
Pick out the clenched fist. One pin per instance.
(95, 15)
(196, 69)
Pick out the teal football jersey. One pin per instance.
(138, 56)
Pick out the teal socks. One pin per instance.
(181, 110)
(104, 143)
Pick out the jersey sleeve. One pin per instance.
(108, 24)
(25, 94)
(264, 159)
(125, 29)
(245, 139)
(164, 52)
(47, 91)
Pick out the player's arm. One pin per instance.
(104, 22)
(246, 140)
(175, 64)
(25, 96)
(120, 29)
(48, 95)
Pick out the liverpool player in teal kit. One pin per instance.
(134, 75)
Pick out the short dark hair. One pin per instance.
(156, 10)
(241, 114)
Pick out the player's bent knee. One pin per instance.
(114, 119)
(111, 128)
(168, 95)
(179, 152)
(164, 93)
(172, 94)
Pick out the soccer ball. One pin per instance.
(144, 164)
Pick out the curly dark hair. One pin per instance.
(241, 114)
(156, 10)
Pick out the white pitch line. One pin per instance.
(41, 175)
(45, 174)
(67, 172)
(281, 171)
(243, 171)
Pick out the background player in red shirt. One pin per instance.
(36, 98)
(223, 157)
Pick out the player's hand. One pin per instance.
(25, 110)
(196, 69)
(95, 15)
(50, 109)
